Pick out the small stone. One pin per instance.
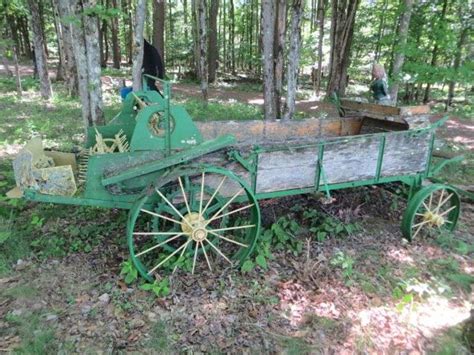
(152, 317)
(17, 312)
(104, 298)
(86, 309)
(19, 262)
(51, 317)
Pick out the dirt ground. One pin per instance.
(303, 303)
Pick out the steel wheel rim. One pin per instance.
(199, 230)
(434, 208)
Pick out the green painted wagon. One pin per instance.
(193, 188)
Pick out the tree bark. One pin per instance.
(268, 34)
(40, 55)
(159, 26)
(115, 39)
(17, 72)
(212, 49)
(70, 62)
(380, 31)
(399, 58)
(138, 45)
(60, 72)
(320, 19)
(434, 58)
(294, 57)
(201, 11)
(457, 61)
(342, 30)
(279, 48)
(232, 36)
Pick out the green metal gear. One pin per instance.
(210, 215)
(434, 207)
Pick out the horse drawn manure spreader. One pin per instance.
(193, 188)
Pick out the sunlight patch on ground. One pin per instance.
(255, 101)
(400, 255)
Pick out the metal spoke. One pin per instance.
(232, 228)
(419, 214)
(180, 256)
(229, 213)
(444, 201)
(218, 251)
(440, 199)
(159, 245)
(174, 208)
(161, 216)
(202, 194)
(227, 239)
(431, 200)
(213, 195)
(205, 254)
(419, 228)
(169, 256)
(156, 233)
(420, 224)
(184, 195)
(195, 256)
(426, 207)
(448, 210)
(225, 206)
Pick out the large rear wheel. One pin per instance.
(206, 218)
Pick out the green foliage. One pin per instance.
(129, 271)
(323, 226)
(345, 263)
(159, 288)
(217, 111)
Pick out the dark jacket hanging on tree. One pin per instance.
(152, 64)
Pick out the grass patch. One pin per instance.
(159, 338)
(36, 338)
(449, 270)
(20, 292)
(214, 111)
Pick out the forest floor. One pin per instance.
(360, 289)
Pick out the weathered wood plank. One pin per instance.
(370, 108)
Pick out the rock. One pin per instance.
(104, 298)
(51, 317)
(17, 312)
(137, 323)
(152, 317)
(86, 309)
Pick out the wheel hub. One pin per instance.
(194, 226)
(433, 218)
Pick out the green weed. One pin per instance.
(129, 271)
(346, 264)
(218, 111)
(159, 288)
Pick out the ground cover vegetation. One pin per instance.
(324, 277)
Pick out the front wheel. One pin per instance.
(201, 218)
(435, 207)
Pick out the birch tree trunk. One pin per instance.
(320, 18)
(201, 11)
(342, 30)
(294, 57)
(138, 45)
(40, 55)
(159, 26)
(212, 50)
(279, 47)
(268, 34)
(70, 62)
(399, 58)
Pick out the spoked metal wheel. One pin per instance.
(434, 208)
(201, 219)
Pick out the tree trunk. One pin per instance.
(294, 57)
(268, 37)
(320, 19)
(41, 17)
(159, 26)
(279, 48)
(232, 36)
(212, 49)
(70, 62)
(457, 61)
(201, 11)
(380, 31)
(402, 36)
(138, 45)
(5, 63)
(40, 55)
(26, 37)
(17, 72)
(60, 72)
(115, 39)
(342, 30)
(434, 58)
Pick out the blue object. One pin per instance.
(125, 91)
